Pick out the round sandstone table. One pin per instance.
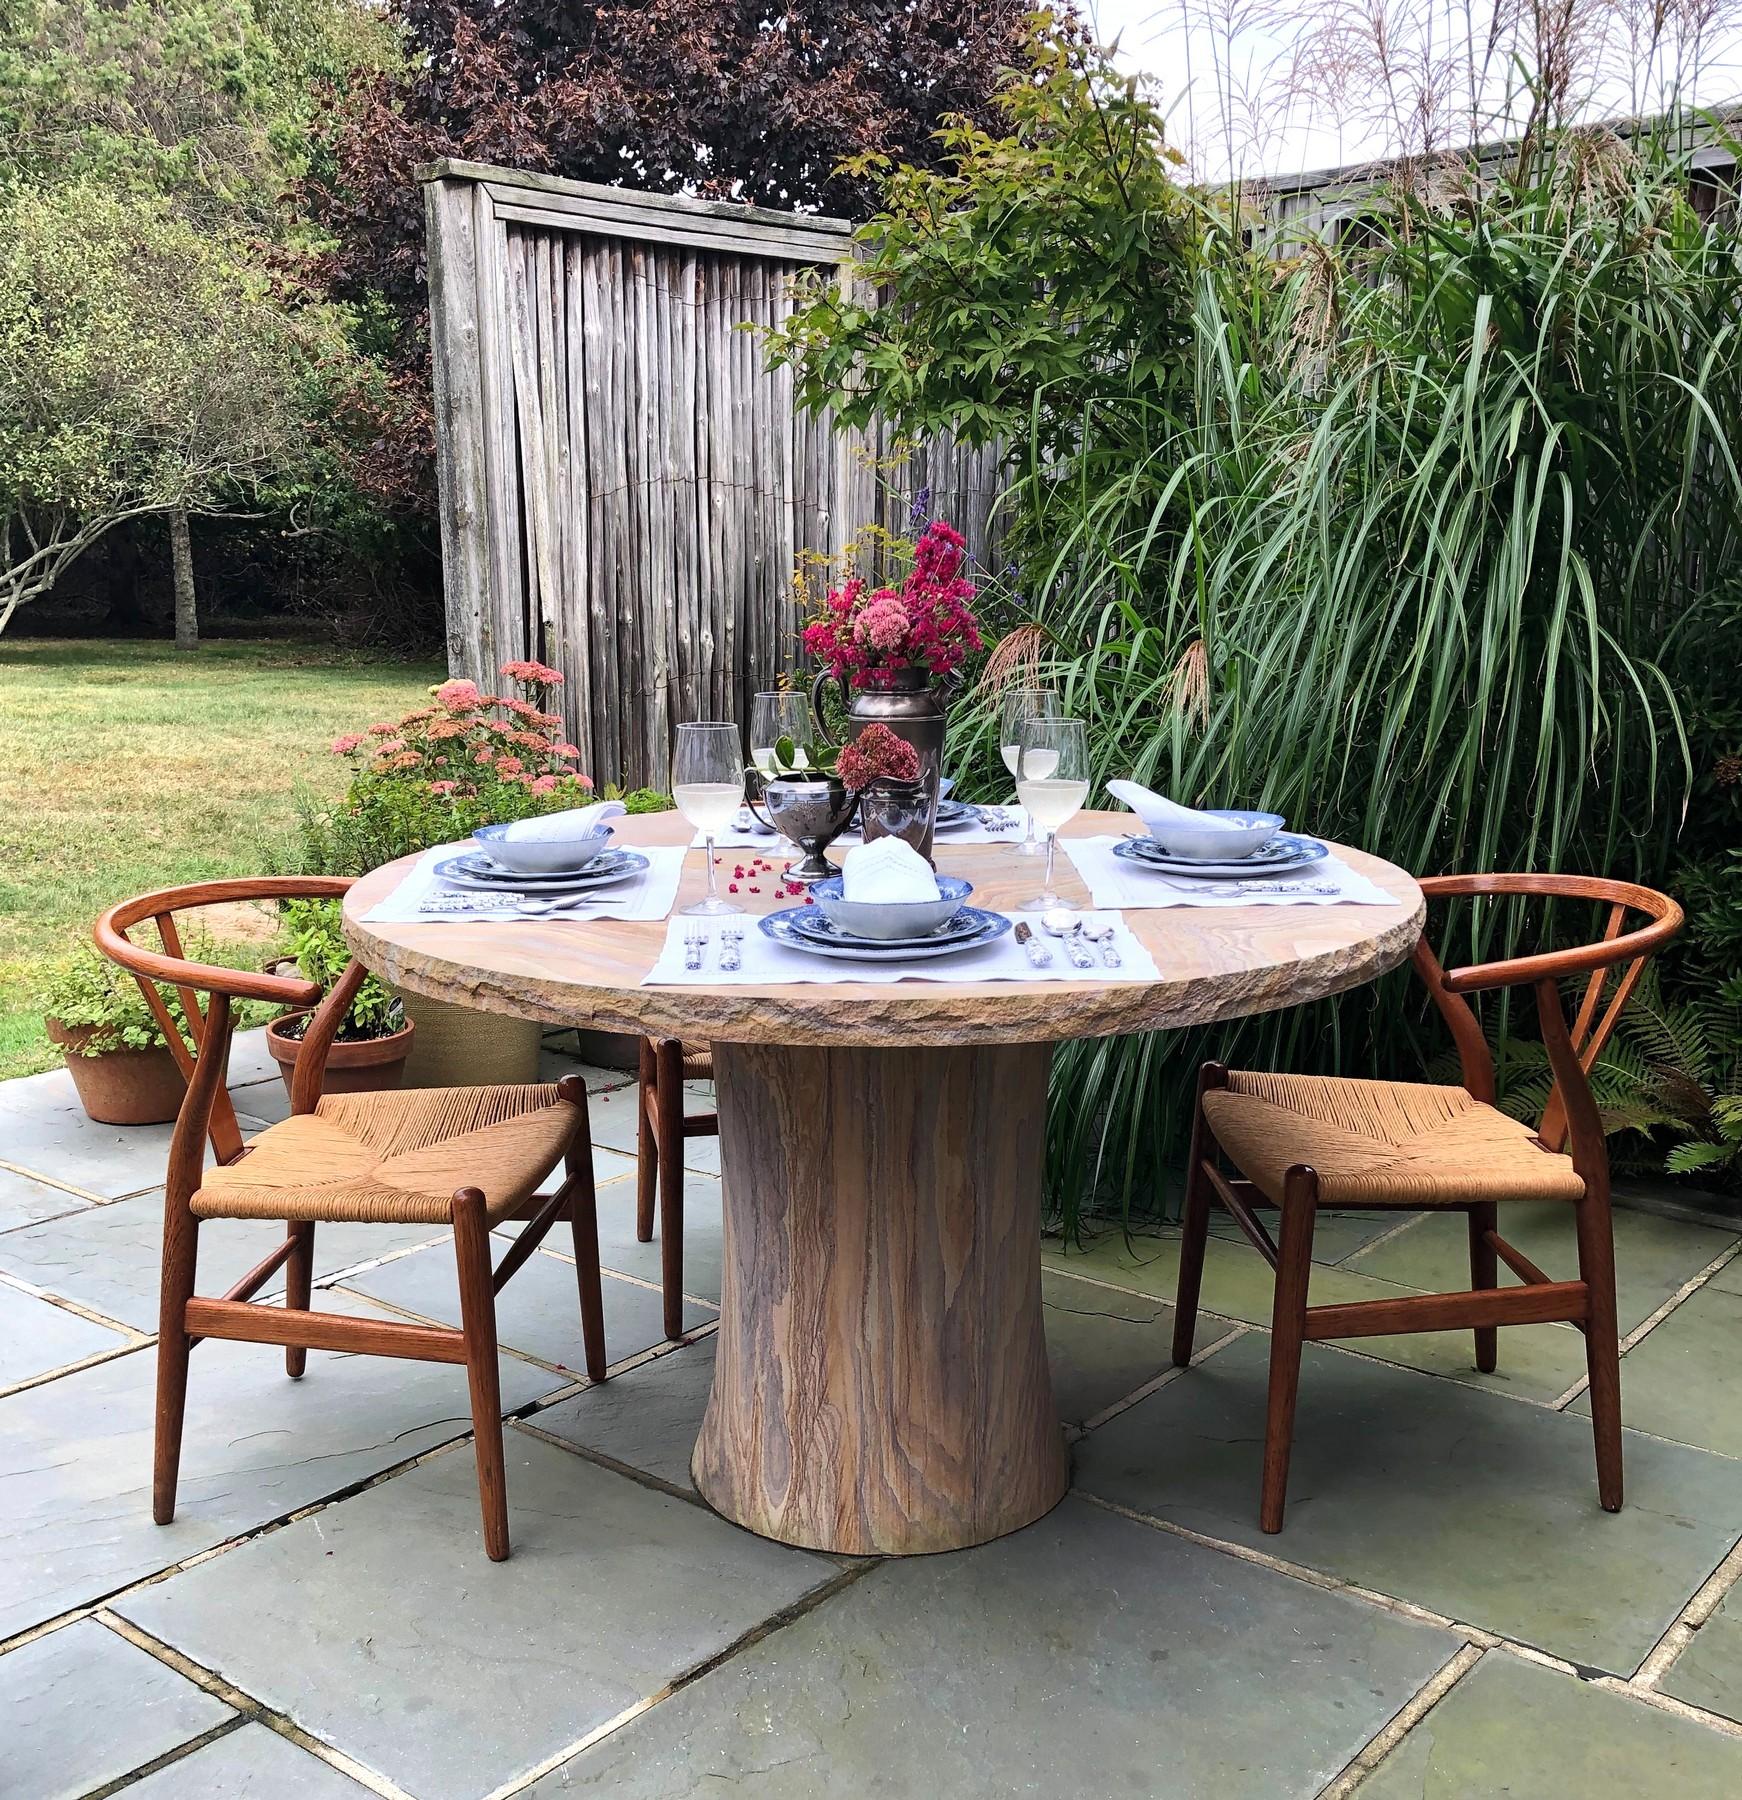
(881, 1383)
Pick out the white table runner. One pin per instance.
(1116, 881)
(650, 894)
(765, 963)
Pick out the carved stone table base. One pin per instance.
(882, 1383)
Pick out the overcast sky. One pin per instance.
(1228, 72)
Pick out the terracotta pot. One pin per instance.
(121, 1087)
(363, 1066)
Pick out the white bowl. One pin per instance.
(889, 919)
(543, 856)
(1204, 843)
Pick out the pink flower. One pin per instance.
(390, 746)
(382, 730)
(567, 752)
(343, 746)
(532, 674)
(544, 784)
(484, 757)
(583, 781)
(446, 728)
(444, 788)
(459, 694)
(509, 765)
(884, 622)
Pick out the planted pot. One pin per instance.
(121, 1087)
(461, 1046)
(354, 1066)
(810, 814)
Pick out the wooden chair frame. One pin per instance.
(661, 1127)
(1570, 1122)
(206, 1113)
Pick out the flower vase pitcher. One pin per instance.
(913, 707)
(897, 651)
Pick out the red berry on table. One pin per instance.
(731, 887)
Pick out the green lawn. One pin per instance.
(125, 766)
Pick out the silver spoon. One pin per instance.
(1061, 923)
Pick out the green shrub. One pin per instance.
(83, 988)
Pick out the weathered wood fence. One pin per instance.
(626, 490)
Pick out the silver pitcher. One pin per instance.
(913, 708)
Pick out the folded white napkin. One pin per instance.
(1156, 809)
(555, 827)
(888, 868)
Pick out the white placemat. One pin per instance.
(1116, 881)
(648, 895)
(1008, 825)
(764, 963)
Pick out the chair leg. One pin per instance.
(1195, 1222)
(670, 1060)
(478, 1320)
(298, 1281)
(646, 1151)
(180, 1260)
(1300, 1198)
(584, 1223)
(1485, 1273)
(1602, 1339)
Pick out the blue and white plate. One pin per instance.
(782, 927)
(1285, 854)
(815, 924)
(483, 874)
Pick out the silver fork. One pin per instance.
(731, 941)
(695, 941)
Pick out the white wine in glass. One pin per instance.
(778, 713)
(1052, 781)
(1020, 705)
(707, 783)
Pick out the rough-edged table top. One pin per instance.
(1216, 963)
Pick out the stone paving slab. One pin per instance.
(1514, 1728)
(37, 1336)
(646, 1418)
(702, 1246)
(26, 1201)
(109, 1258)
(44, 1131)
(75, 1489)
(539, 1312)
(1539, 1362)
(1086, 1656)
(1476, 1506)
(614, 1123)
(1680, 1381)
(1708, 1672)
(252, 1763)
(1103, 1345)
(379, 1626)
(1336, 1235)
(83, 1707)
(1653, 1255)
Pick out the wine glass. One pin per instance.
(1052, 781)
(1020, 705)
(778, 713)
(707, 783)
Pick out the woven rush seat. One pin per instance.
(1383, 1143)
(395, 1158)
(698, 1062)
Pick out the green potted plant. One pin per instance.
(369, 1051)
(115, 1050)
